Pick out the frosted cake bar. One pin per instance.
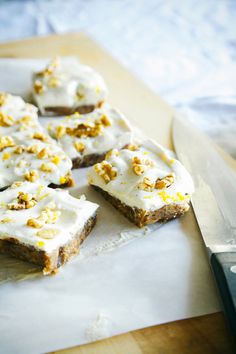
(144, 183)
(86, 138)
(66, 86)
(43, 226)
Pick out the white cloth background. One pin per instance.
(184, 50)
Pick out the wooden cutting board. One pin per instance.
(205, 334)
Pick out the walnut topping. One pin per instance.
(6, 220)
(6, 120)
(113, 152)
(84, 130)
(132, 147)
(105, 120)
(38, 87)
(33, 149)
(47, 216)
(47, 233)
(79, 146)
(27, 120)
(19, 150)
(60, 131)
(22, 163)
(43, 154)
(46, 167)
(140, 164)
(164, 182)
(50, 68)
(31, 176)
(24, 201)
(146, 185)
(6, 141)
(40, 136)
(106, 171)
(3, 97)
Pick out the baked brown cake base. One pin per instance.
(87, 160)
(142, 217)
(48, 262)
(64, 111)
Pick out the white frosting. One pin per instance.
(17, 165)
(125, 185)
(17, 109)
(73, 215)
(116, 135)
(76, 85)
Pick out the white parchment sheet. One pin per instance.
(124, 278)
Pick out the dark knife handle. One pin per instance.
(224, 269)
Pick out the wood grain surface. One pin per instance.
(205, 334)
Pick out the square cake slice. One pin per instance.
(65, 86)
(43, 226)
(144, 183)
(87, 138)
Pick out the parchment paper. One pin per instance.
(124, 278)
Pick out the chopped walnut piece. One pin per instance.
(79, 146)
(43, 154)
(106, 171)
(33, 149)
(47, 233)
(40, 136)
(6, 120)
(19, 150)
(60, 131)
(38, 87)
(31, 176)
(164, 182)
(105, 120)
(24, 201)
(113, 152)
(146, 185)
(140, 164)
(6, 156)
(84, 130)
(16, 184)
(6, 141)
(27, 120)
(132, 147)
(50, 68)
(47, 216)
(46, 167)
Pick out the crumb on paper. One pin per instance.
(99, 328)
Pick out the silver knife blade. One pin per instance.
(214, 200)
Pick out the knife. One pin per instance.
(214, 204)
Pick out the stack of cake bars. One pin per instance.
(43, 224)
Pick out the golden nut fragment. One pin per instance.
(46, 167)
(132, 147)
(43, 154)
(60, 131)
(33, 149)
(47, 233)
(38, 87)
(6, 141)
(146, 185)
(79, 146)
(19, 150)
(31, 176)
(3, 98)
(40, 136)
(106, 171)
(24, 201)
(165, 182)
(6, 120)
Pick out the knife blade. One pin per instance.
(214, 205)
